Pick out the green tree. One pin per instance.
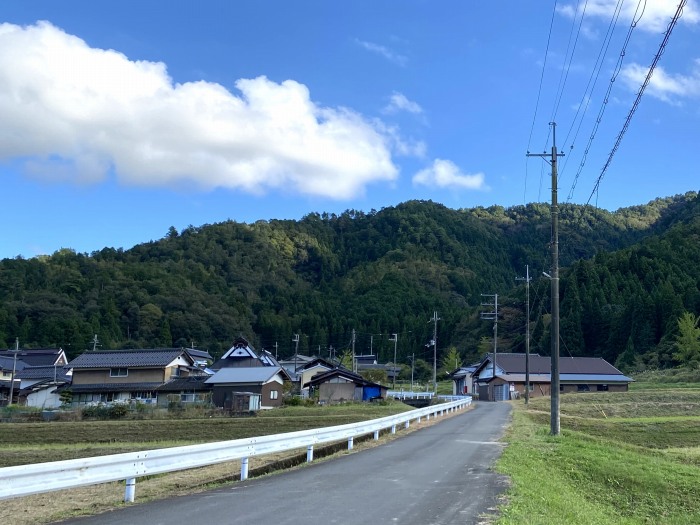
(451, 360)
(688, 340)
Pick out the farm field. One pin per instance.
(25, 443)
(622, 458)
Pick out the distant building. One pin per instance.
(576, 374)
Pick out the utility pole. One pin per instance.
(354, 367)
(276, 349)
(492, 316)
(96, 343)
(413, 360)
(395, 338)
(554, 411)
(14, 368)
(527, 280)
(434, 320)
(295, 340)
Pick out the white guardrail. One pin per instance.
(23, 480)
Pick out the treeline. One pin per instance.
(626, 278)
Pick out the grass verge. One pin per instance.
(603, 471)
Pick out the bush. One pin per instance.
(103, 412)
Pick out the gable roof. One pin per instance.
(242, 353)
(319, 361)
(343, 373)
(6, 363)
(152, 357)
(37, 356)
(571, 368)
(43, 372)
(185, 384)
(256, 374)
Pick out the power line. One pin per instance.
(606, 98)
(539, 90)
(563, 77)
(660, 52)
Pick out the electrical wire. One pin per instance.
(662, 48)
(616, 71)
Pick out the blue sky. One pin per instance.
(121, 119)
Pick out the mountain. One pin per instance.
(377, 273)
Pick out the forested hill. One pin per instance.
(379, 273)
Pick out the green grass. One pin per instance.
(633, 468)
(39, 442)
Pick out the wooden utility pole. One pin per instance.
(555, 422)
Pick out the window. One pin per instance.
(583, 388)
(602, 388)
(118, 372)
(273, 394)
(176, 372)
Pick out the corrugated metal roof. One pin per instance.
(127, 358)
(258, 374)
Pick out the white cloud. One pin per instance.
(77, 112)
(662, 85)
(383, 51)
(446, 174)
(399, 102)
(655, 18)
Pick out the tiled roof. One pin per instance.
(515, 364)
(258, 374)
(115, 387)
(185, 384)
(126, 358)
(42, 372)
(35, 356)
(199, 354)
(6, 363)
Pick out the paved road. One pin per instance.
(437, 475)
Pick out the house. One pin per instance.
(39, 385)
(192, 389)
(341, 384)
(307, 371)
(107, 376)
(12, 362)
(463, 382)
(370, 362)
(9, 384)
(576, 374)
(202, 358)
(38, 356)
(265, 381)
(243, 355)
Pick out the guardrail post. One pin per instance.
(130, 490)
(427, 417)
(244, 469)
(350, 443)
(419, 419)
(393, 429)
(405, 425)
(309, 453)
(376, 435)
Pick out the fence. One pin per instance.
(24, 480)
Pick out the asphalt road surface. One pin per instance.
(436, 475)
